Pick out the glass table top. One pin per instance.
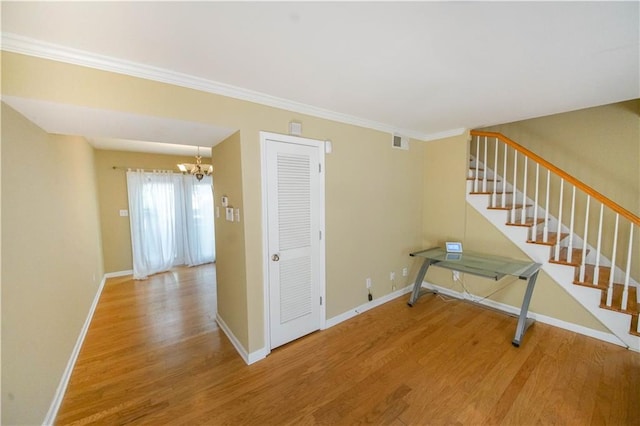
(485, 265)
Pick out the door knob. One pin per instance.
(275, 257)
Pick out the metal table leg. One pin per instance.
(523, 322)
(417, 286)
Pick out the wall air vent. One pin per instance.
(400, 142)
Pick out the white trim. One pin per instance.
(265, 246)
(64, 381)
(323, 237)
(367, 306)
(249, 358)
(585, 331)
(118, 274)
(40, 49)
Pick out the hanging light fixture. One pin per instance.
(199, 170)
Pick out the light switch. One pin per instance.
(124, 213)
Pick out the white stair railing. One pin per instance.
(514, 160)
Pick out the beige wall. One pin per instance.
(230, 239)
(373, 210)
(381, 203)
(447, 216)
(112, 197)
(51, 261)
(600, 146)
(445, 167)
(382, 209)
(373, 215)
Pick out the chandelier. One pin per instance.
(199, 170)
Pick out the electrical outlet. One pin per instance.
(405, 271)
(456, 275)
(392, 276)
(368, 282)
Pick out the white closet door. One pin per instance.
(293, 210)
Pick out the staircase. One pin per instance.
(584, 241)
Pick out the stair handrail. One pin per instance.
(566, 176)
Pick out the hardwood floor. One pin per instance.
(154, 355)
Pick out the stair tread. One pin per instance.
(552, 238)
(616, 301)
(510, 206)
(589, 273)
(576, 257)
(527, 222)
(487, 192)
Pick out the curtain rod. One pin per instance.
(145, 170)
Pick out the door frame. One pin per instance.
(320, 146)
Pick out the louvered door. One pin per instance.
(293, 186)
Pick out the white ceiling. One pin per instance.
(423, 69)
(115, 130)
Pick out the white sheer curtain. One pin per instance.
(171, 218)
(152, 212)
(199, 244)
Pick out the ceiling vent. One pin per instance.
(400, 142)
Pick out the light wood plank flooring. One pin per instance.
(154, 355)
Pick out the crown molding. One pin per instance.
(40, 49)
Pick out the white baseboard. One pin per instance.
(262, 353)
(249, 358)
(367, 306)
(118, 273)
(64, 381)
(585, 331)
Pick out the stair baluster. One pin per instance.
(534, 228)
(504, 174)
(625, 292)
(477, 175)
(571, 220)
(622, 296)
(484, 161)
(584, 241)
(545, 230)
(556, 254)
(613, 262)
(494, 202)
(515, 184)
(596, 267)
(523, 215)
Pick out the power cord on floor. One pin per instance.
(446, 299)
(472, 296)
